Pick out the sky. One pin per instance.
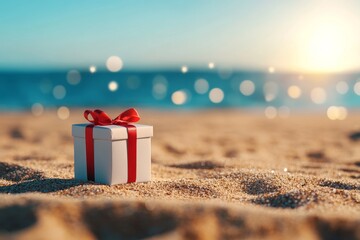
(304, 35)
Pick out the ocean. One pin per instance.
(200, 89)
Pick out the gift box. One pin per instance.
(112, 151)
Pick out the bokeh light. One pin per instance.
(179, 97)
(159, 87)
(133, 82)
(225, 72)
(271, 69)
(342, 87)
(211, 65)
(184, 69)
(270, 112)
(357, 88)
(63, 113)
(336, 113)
(113, 86)
(46, 86)
(160, 79)
(283, 112)
(92, 69)
(332, 113)
(37, 109)
(318, 95)
(270, 91)
(247, 87)
(59, 92)
(216, 95)
(73, 77)
(114, 64)
(159, 91)
(294, 91)
(201, 86)
(342, 113)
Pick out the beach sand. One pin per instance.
(221, 174)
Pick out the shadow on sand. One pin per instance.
(41, 185)
(30, 180)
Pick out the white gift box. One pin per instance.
(111, 153)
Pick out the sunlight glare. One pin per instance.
(329, 43)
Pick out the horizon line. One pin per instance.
(102, 69)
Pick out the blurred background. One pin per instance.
(275, 56)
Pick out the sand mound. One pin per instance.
(39, 218)
(282, 179)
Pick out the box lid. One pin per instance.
(112, 132)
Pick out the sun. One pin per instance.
(326, 49)
(329, 43)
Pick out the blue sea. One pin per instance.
(176, 90)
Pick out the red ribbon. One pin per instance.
(101, 118)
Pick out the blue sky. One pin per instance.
(52, 34)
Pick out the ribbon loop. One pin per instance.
(101, 118)
(86, 116)
(130, 115)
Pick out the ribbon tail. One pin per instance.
(89, 144)
(131, 152)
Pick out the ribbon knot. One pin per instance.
(101, 118)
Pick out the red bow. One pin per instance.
(101, 118)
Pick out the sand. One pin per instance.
(221, 174)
